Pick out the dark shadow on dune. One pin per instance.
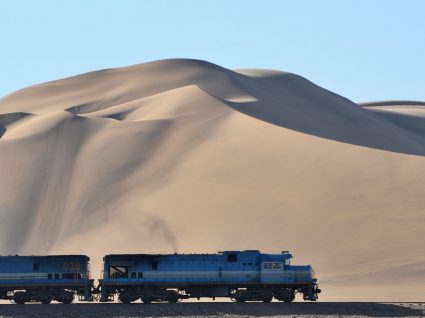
(85, 108)
(415, 125)
(8, 118)
(212, 309)
(393, 103)
(91, 107)
(360, 127)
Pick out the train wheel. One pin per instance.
(267, 299)
(45, 300)
(124, 299)
(67, 300)
(146, 300)
(289, 299)
(285, 295)
(19, 298)
(173, 300)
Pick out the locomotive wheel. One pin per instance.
(239, 299)
(146, 300)
(19, 298)
(267, 299)
(67, 300)
(286, 295)
(289, 299)
(124, 299)
(173, 300)
(45, 300)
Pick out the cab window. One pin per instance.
(118, 271)
(272, 265)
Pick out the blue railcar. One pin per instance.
(239, 275)
(45, 278)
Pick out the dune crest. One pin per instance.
(217, 159)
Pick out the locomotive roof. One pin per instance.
(46, 256)
(183, 254)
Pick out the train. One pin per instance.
(240, 276)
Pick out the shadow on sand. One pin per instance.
(213, 309)
(366, 129)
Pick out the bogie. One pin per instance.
(147, 296)
(253, 294)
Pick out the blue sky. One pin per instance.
(364, 50)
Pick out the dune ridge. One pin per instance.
(393, 103)
(185, 155)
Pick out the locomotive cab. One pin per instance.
(274, 266)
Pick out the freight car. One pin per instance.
(238, 275)
(45, 278)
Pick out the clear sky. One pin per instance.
(364, 50)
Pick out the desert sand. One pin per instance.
(186, 156)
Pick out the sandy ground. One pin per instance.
(217, 309)
(187, 156)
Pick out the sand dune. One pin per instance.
(188, 156)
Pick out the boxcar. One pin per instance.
(238, 275)
(45, 278)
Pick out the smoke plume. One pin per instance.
(157, 227)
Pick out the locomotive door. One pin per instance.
(230, 267)
(264, 271)
(271, 270)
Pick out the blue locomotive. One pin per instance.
(45, 278)
(238, 275)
